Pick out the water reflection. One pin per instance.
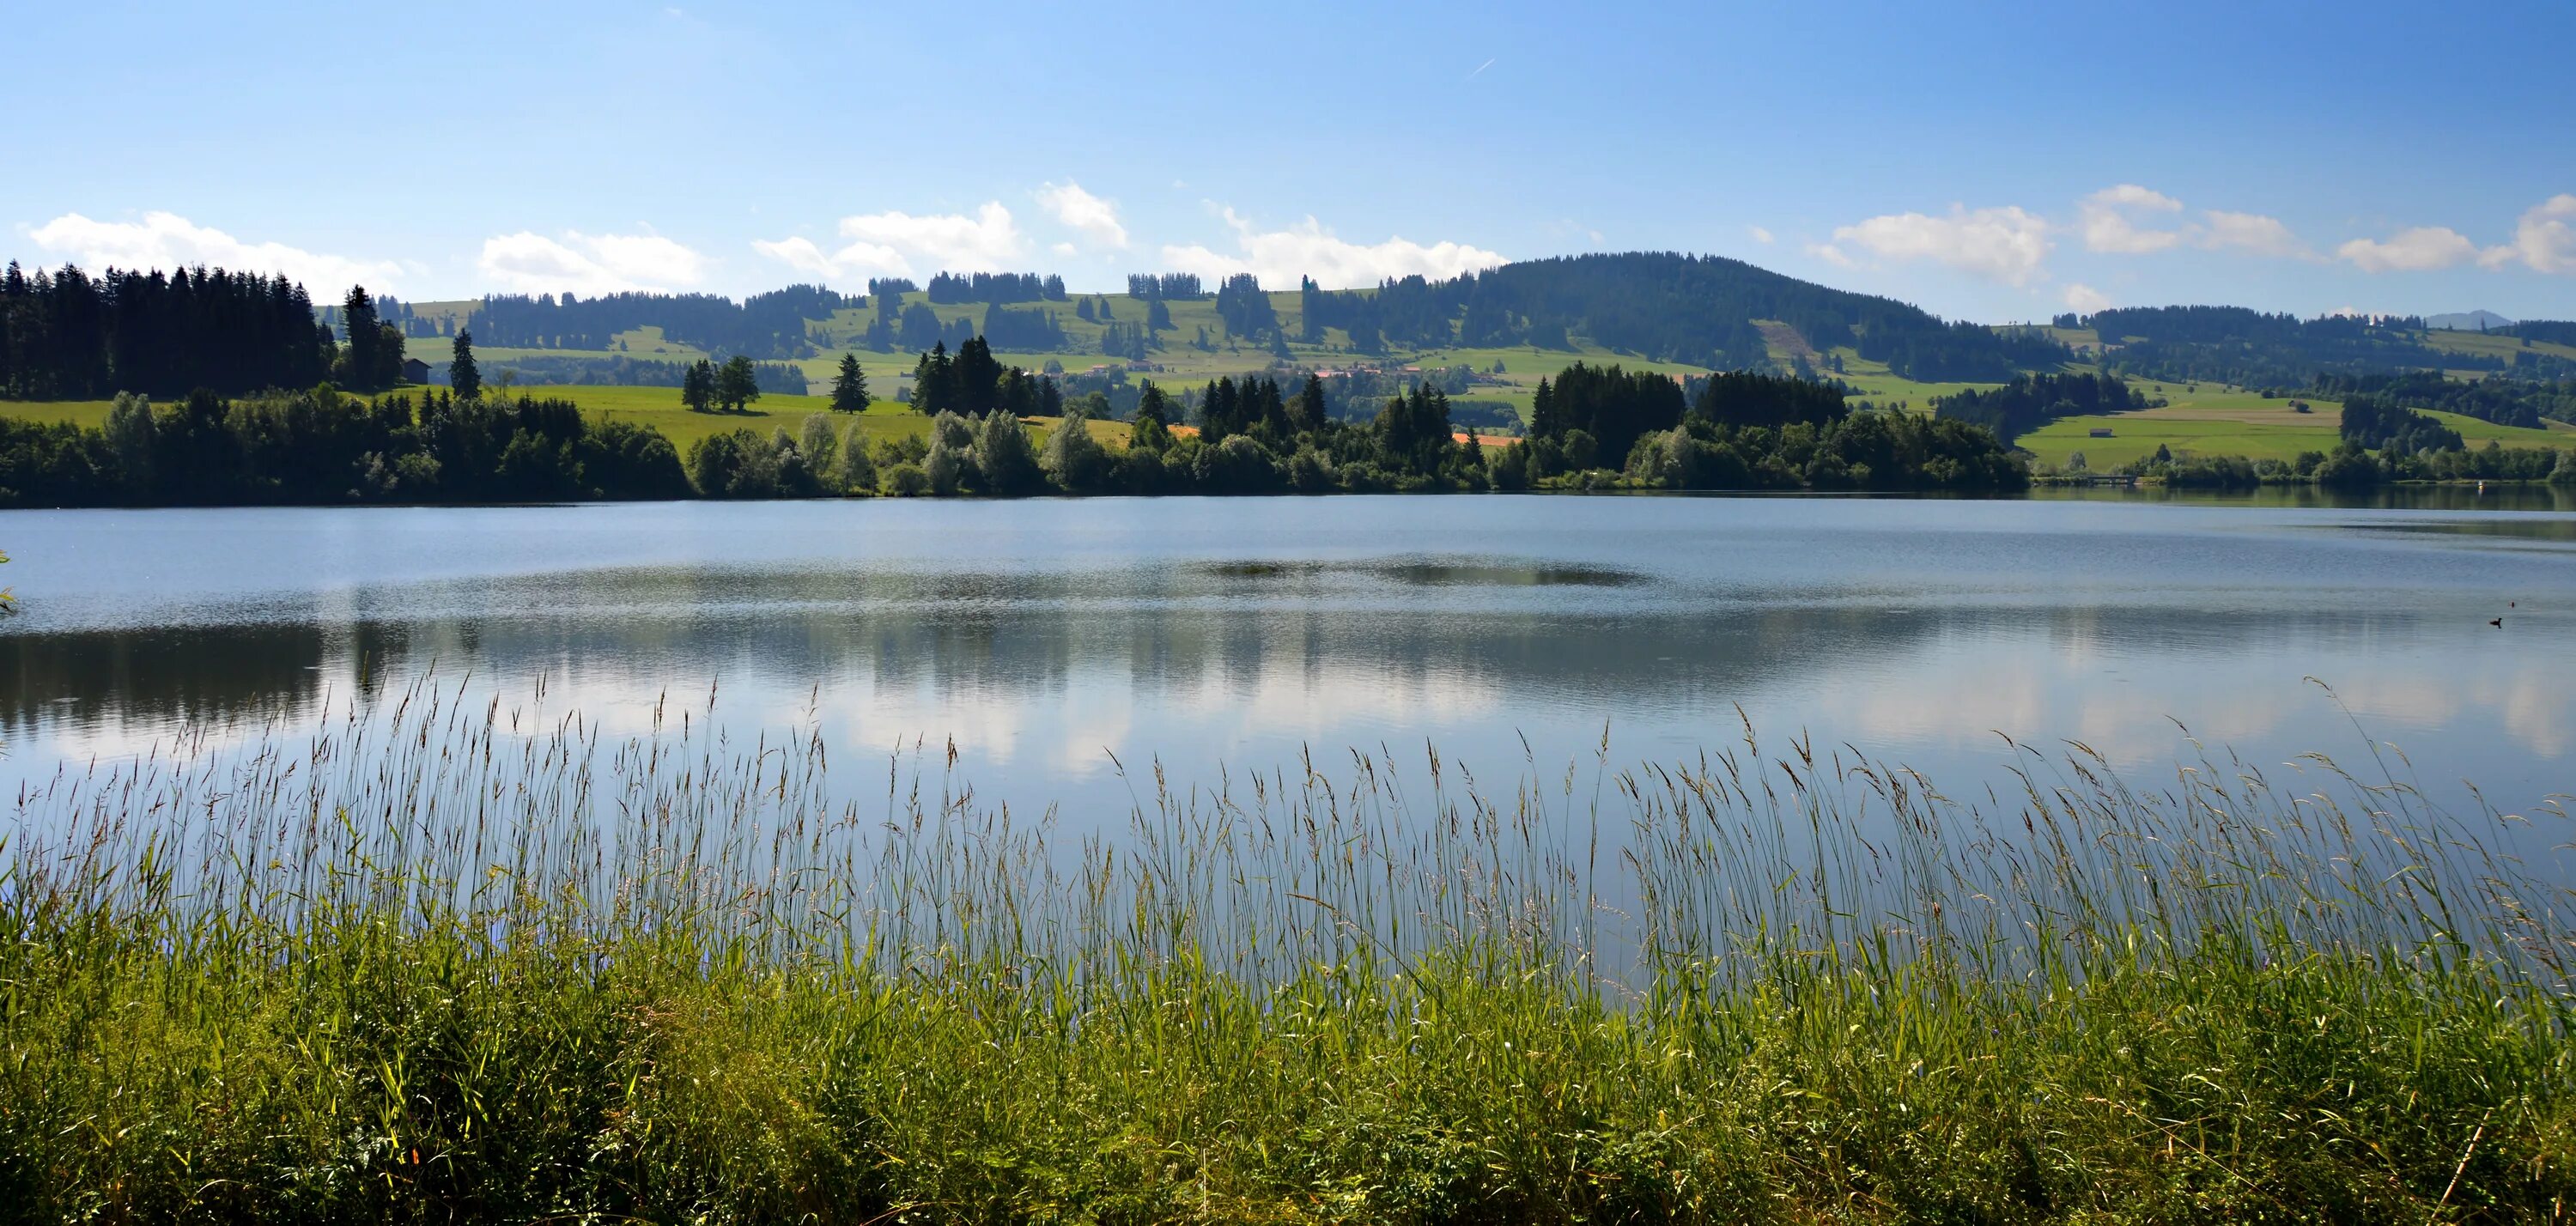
(1044, 637)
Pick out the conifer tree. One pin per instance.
(1310, 412)
(1152, 429)
(465, 380)
(698, 386)
(358, 323)
(737, 385)
(850, 386)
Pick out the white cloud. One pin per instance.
(2084, 299)
(2421, 249)
(1279, 257)
(2008, 244)
(531, 263)
(1759, 234)
(1077, 209)
(168, 241)
(2110, 220)
(905, 245)
(2252, 232)
(1065, 249)
(2543, 239)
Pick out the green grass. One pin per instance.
(438, 965)
(658, 407)
(2496, 345)
(87, 414)
(2227, 422)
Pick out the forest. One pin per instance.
(68, 336)
(2249, 348)
(322, 447)
(770, 325)
(2506, 402)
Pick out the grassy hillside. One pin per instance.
(2230, 422)
(2497, 345)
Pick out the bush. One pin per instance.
(906, 480)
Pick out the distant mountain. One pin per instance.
(2468, 321)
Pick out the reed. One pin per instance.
(442, 960)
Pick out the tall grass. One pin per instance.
(443, 961)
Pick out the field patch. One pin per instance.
(2236, 423)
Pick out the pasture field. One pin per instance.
(87, 414)
(2494, 344)
(658, 407)
(2236, 423)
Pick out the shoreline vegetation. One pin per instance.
(226, 353)
(443, 961)
(1608, 429)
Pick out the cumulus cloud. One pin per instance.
(2421, 249)
(168, 241)
(1279, 257)
(531, 263)
(1079, 210)
(2084, 299)
(908, 245)
(2110, 220)
(2113, 221)
(2544, 240)
(2008, 244)
(2252, 232)
(1759, 234)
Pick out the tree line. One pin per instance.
(2249, 348)
(66, 335)
(770, 325)
(322, 447)
(2506, 402)
(995, 287)
(1593, 427)
(1165, 286)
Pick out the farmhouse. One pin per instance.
(2100, 432)
(415, 371)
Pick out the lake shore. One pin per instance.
(739, 997)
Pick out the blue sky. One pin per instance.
(1996, 162)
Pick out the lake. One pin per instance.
(1048, 639)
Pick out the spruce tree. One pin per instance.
(698, 386)
(1310, 412)
(1152, 429)
(850, 386)
(462, 375)
(358, 323)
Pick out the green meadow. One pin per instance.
(2227, 422)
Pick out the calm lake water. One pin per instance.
(1045, 636)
